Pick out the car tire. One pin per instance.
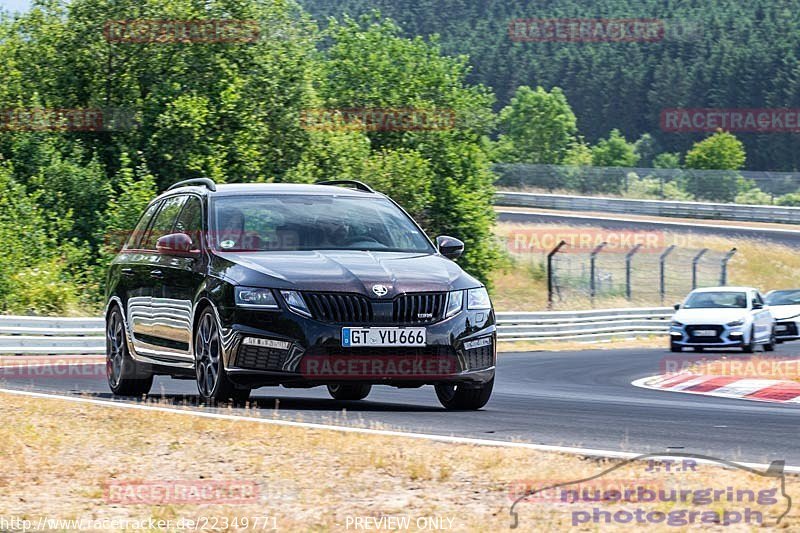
(770, 346)
(349, 391)
(751, 346)
(125, 376)
(213, 384)
(458, 397)
(675, 348)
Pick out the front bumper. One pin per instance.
(725, 337)
(787, 330)
(466, 343)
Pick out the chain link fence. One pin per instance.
(652, 183)
(637, 274)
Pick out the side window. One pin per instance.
(190, 221)
(135, 238)
(165, 219)
(757, 298)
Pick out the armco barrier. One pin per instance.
(51, 336)
(584, 325)
(662, 208)
(78, 336)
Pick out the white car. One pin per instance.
(785, 306)
(723, 317)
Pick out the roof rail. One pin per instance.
(208, 183)
(352, 183)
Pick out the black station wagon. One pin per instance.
(332, 284)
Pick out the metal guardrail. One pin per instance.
(79, 336)
(584, 325)
(662, 208)
(51, 336)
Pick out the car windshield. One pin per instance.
(716, 300)
(784, 298)
(313, 222)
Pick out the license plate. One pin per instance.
(705, 333)
(781, 328)
(352, 337)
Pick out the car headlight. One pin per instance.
(677, 324)
(296, 303)
(455, 301)
(478, 299)
(735, 323)
(255, 297)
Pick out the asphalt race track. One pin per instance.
(582, 399)
(732, 230)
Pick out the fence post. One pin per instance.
(696, 260)
(628, 260)
(593, 271)
(662, 284)
(723, 277)
(550, 280)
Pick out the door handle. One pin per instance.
(156, 274)
(127, 272)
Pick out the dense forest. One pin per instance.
(231, 110)
(714, 54)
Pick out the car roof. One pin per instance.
(726, 289)
(246, 189)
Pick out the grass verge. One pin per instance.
(66, 460)
(522, 285)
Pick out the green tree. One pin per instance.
(717, 158)
(720, 151)
(538, 127)
(34, 267)
(615, 151)
(135, 188)
(667, 160)
(368, 65)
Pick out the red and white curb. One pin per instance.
(758, 390)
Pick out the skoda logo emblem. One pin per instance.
(380, 290)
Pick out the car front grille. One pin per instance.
(704, 340)
(339, 308)
(478, 358)
(406, 309)
(790, 331)
(423, 308)
(261, 358)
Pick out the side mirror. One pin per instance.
(677, 307)
(178, 244)
(450, 247)
(758, 305)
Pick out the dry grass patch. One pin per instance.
(522, 285)
(60, 456)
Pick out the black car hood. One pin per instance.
(343, 271)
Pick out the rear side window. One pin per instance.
(190, 221)
(135, 238)
(164, 221)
